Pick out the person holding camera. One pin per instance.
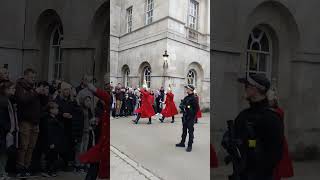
(189, 107)
(260, 131)
(98, 156)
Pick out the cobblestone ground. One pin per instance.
(302, 170)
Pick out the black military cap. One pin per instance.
(259, 81)
(189, 86)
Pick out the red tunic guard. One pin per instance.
(170, 109)
(146, 110)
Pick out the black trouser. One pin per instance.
(52, 157)
(36, 156)
(93, 172)
(159, 109)
(69, 154)
(187, 126)
(254, 176)
(138, 117)
(12, 158)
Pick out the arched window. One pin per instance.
(259, 53)
(55, 56)
(126, 73)
(192, 78)
(147, 75)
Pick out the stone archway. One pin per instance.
(47, 23)
(197, 70)
(100, 36)
(145, 72)
(279, 23)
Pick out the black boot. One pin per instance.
(196, 121)
(189, 148)
(181, 144)
(149, 121)
(172, 119)
(137, 119)
(161, 119)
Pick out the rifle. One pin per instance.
(231, 144)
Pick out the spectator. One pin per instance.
(67, 114)
(8, 124)
(119, 95)
(55, 143)
(81, 86)
(82, 145)
(39, 148)
(4, 74)
(29, 109)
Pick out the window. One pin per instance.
(126, 74)
(193, 14)
(192, 78)
(258, 54)
(129, 19)
(149, 11)
(55, 56)
(147, 76)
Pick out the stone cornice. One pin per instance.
(78, 44)
(227, 47)
(19, 45)
(307, 57)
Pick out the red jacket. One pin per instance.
(199, 113)
(170, 109)
(101, 151)
(213, 157)
(146, 109)
(285, 167)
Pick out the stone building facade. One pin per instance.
(59, 39)
(279, 38)
(142, 30)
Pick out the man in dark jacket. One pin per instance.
(189, 107)
(260, 130)
(39, 148)
(119, 94)
(29, 110)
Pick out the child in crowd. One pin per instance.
(55, 138)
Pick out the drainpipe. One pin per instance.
(24, 34)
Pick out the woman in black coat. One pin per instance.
(8, 124)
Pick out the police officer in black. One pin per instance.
(189, 107)
(259, 130)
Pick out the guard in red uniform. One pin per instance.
(199, 113)
(146, 110)
(213, 157)
(170, 110)
(99, 155)
(285, 167)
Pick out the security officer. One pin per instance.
(189, 107)
(259, 130)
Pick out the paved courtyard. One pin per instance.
(146, 152)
